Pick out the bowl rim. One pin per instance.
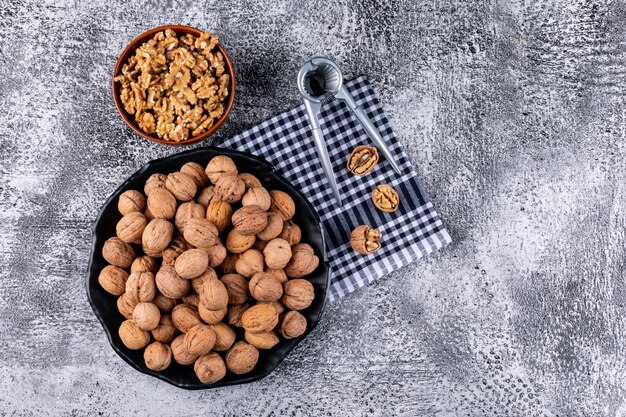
(94, 244)
(132, 46)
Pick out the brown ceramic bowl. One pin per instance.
(130, 49)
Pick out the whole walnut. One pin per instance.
(186, 211)
(279, 274)
(219, 213)
(249, 220)
(118, 253)
(154, 182)
(170, 284)
(131, 226)
(157, 356)
(282, 204)
(291, 324)
(235, 312)
(131, 201)
(229, 188)
(274, 227)
(176, 247)
(144, 264)
(264, 287)
(291, 233)
(211, 316)
(277, 253)
(164, 303)
(237, 243)
(181, 185)
(216, 253)
(185, 317)
(113, 279)
(262, 340)
(199, 340)
(249, 263)
(228, 266)
(259, 318)
(162, 204)
(201, 233)
(218, 166)
(224, 336)
(205, 196)
(141, 286)
(198, 282)
(236, 287)
(125, 305)
(165, 331)
(196, 172)
(192, 263)
(180, 354)
(303, 261)
(214, 295)
(250, 180)
(157, 235)
(210, 368)
(257, 196)
(146, 316)
(241, 358)
(298, 294)
(132, 336)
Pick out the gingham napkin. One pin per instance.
(413, 231)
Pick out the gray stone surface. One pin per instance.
(512, 113)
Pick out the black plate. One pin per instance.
(104, 304)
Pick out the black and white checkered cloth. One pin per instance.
(413, 231)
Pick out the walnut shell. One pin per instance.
(157, 356)
(131, 201)
(291, 233)
(144, 264)
(259, 318)
(224, 336)
(157, 235)
(165, 331)
(236, 287)
(214, 295)
(113, 279)
(228, 266)
(201, 233)
(303, 261)
(249, 263)
(146, 316)
(205, 196)
(125, 305)
(154, 182)
(298, 294)
(235, 312)
(274, 227)
(199, 340)
(141, 286)
(241, 358)
(198, 282)
(162, 204)
(291, 324)
(131, 226)
(218, 166)
(170, 284)
(147, 214)
(132, 336)
(118, 253)
(280, 309)
(229, 188)
(211, 316)
(257, 196)
(264, 287)
(237, 243)
(259, 245)
(262, 340)
(250, 180)
(216, 253)
(165, 304)
(192, 299)
(196, 172)
(180, 354)
(249, 220)
(185, 317)
(186, 211)
(277, 253)
(364, 239)
(176, 247)
(219, 213)
(181, 185)
(210, 368)
(282, 204)
(192, 263)
(279, 274)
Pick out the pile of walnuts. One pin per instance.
(192, 262)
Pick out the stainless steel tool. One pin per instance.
(320, 81)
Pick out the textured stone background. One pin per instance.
(511, 111)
